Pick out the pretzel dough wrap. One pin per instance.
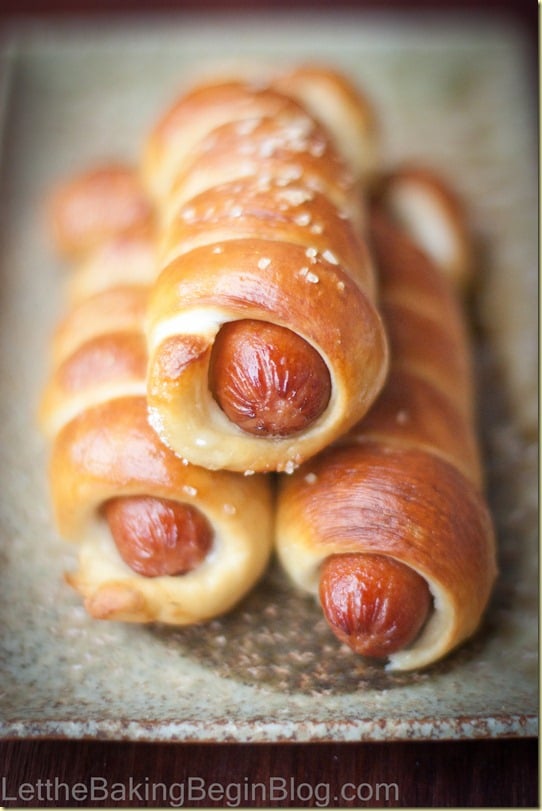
(160, 540)
(261, 233)
(404, 485)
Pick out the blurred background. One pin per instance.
(519, 14)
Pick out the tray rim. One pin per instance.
(507, 725)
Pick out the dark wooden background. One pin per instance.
(474, 774)
(482, 773)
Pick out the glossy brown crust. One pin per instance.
(97, 204)
(409, 278)
(412, 412)
(424, 346)
(405, 482)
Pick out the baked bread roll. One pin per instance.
(159, 540)
(389, 527)
(262, 327)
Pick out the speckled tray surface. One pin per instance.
(455, 96)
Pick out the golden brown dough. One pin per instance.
(159, 539)
(404, 484)
(261, 220)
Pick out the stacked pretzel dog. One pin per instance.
(264, 349)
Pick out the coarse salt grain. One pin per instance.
(312, 278)
(269, 147)
(188, 214)
(315, 183)
(317, 149)
(329, 256)
(295, 197)
(249, 473)
(264, 182)
(264, 262)
(230, 509)
(189, 490)
(316, 228)
(311, 253)
(301, 127)
(218, 249)
(289, 174)
(340, 286)
(311, 478)
(289, 467)
(303, 219)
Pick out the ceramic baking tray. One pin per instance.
(451, 93)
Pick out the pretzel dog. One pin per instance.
(389, 526)
(264, 339)
(159, 540)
